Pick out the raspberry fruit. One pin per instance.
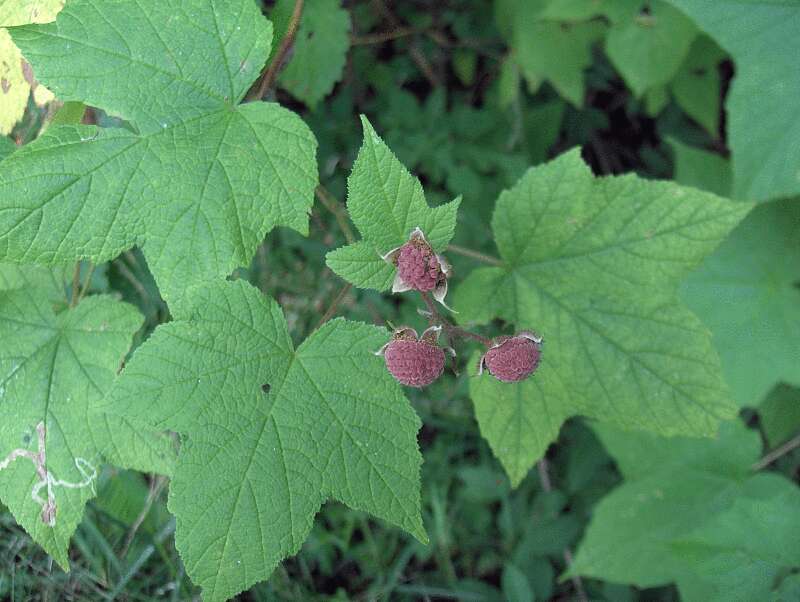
(414, 361)
(512, 359)
(419, 267)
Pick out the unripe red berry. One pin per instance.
(512, 359)
(414, 362)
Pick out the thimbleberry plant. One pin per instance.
(134, 334)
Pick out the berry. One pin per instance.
(413, 361)
(512, 359)
(418, 266)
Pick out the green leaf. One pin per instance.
(547, 48)
(747, 294)
(689, 511)
(763, 128)
(701, 169)
(7, 147)
(648, 46)
(696, 86)
(574, 10)
(54, 370)
(655, 100)
(319, 49)
(71, 112)
(386, 203)
(200, 181)
(48, 282)
(779, 414)
(516, 587)
(508, 83)
(592, 264)
(269, 432)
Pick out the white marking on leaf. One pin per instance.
(47, 478)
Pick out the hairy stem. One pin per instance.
(157, 483)
(334, 305)
(474, 255)
(87, 282)
(332, 204)
(777, 453)
(547, 485)
(380, 38)
(268, 78)
(76, 284)
(451, 329)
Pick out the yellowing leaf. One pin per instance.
(14, 81)
(14, 89)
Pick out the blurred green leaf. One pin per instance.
(515, 585)
(700, 168)
(696, 518)
(747, 293)
(319, 49)
(649, 43)
(696, 86)
(761, 36)
(780, 414)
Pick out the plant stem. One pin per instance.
(332, 204)
(379, 38)
(157, 483)
(275, 65)
(451, 329)
(777, 453)
(334, 305)
(474, 255)
(76, 285)
(87, 282)
(413, 48)
(547, 486)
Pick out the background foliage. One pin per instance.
(172, 180)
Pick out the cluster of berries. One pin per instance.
(418, 360)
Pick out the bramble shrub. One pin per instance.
(169, 288)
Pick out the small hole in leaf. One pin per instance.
(265, 388)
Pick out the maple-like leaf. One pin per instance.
(54, 370)
(593, 265)
(197, 180)
(270, 432)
